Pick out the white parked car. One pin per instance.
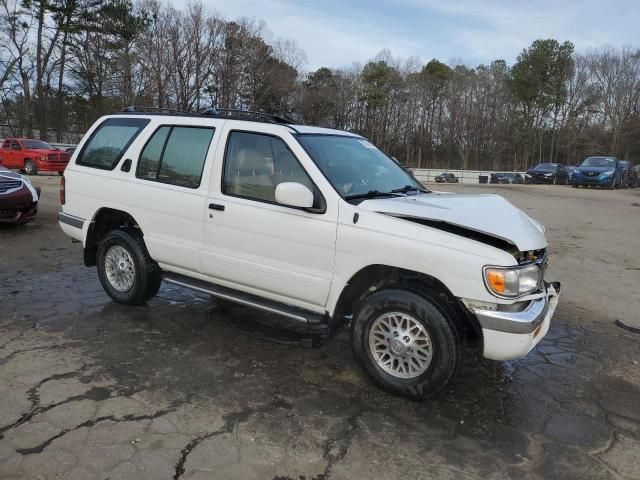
(315, 225)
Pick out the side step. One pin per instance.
(301, 316)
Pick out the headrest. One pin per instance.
(251, 161)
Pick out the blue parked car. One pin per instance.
(605, 172)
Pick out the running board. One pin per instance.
(300, 315)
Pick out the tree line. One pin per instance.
(64, 63)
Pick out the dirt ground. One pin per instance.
(185, 388)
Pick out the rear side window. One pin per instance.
(109, 142)
(175, 155)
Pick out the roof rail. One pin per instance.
(159, 110)
(226, 113)
(237, 114)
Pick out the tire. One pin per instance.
(143, 279)
(30, 168)
(436, 324)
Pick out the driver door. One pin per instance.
(254, 244)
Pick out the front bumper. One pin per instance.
(49, 166)
(600, 181)
(541, 179)
(511, 335)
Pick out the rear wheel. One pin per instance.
(127, 272)
(30, 167)
(406, 342)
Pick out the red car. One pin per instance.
(18, 198)
(31, 156)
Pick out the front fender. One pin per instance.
(378, 239)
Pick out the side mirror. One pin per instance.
(293, 194)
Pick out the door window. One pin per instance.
(255, 164)
(110, 141)
(175, 155)
(15, 145)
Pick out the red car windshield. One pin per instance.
(36, 145)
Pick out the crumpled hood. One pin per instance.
(488, 214)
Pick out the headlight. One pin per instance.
(25, 179)
(609, 172)
(512, 282)
(548, 174)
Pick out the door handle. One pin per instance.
(216, 206)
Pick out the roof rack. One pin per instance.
(236, 114)
(227, 113)
(158, 110)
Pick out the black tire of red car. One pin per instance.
(148, 276)
(435, 316)
(30, 168)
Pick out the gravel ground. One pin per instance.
(186, 388)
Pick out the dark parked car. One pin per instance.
(18, 198)
(446, 178)
(629, 175)
(605, 172)
(552, 173)
(506, 177)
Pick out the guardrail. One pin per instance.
(463, 176)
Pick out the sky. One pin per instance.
(337, 33)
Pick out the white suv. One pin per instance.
(314, 225)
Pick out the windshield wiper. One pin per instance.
(372, 194)
(409, 188)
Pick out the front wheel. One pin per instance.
(406, 342)
(126, 271)
(30, 167)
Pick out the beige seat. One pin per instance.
(251, 176)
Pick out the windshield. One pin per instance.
(598, 162)
(354, 166)
(36, 145)
(546, 166)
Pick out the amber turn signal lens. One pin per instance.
(496, 281)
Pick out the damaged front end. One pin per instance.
(523, 303)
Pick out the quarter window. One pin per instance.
(256, 164)
(110, 141)
(175, 155)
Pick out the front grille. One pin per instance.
(58, 158)
(6, 185)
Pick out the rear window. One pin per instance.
(110, 141)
